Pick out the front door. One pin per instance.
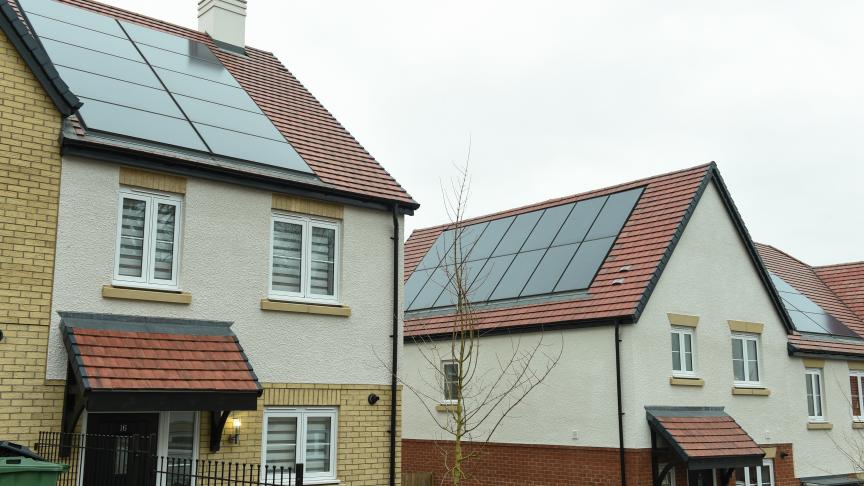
(121, 449)
(701, 477)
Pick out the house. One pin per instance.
(689, 354)
(194, 251)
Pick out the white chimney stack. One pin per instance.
(224, 20)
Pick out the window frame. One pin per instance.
(681, 332)
(757, 481)
(747, 382)
(444, 364)
(669, 480)
(307, 223)
(808, 374)
(302, 414)
(859, 378)
(147, 280)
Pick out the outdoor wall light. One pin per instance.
(373, 399)
(235, 437)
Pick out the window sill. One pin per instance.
(326, 310)
(445, 407)
(686, 381)
(318, 482)
(857, 425)
(748, 390)
(819, 426)
(128, 293)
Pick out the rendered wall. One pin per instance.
(224, 265)
(29, 187)
(710, 276)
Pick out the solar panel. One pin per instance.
(548, 251)
(106, 65)
(179, 45)
(806, 315)
(179, 83)
(77, 16)
(140, 124)
(151, 85)
(229, 118)
(119, 92)
(84, 37)
(255, 149)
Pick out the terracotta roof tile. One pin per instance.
(807, 281)
(642, 244)
(847, 282)
(335, 156)
(127, 360)
(714, 435)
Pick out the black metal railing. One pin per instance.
(113, 460)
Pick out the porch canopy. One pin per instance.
(135, 363)
(703, 437)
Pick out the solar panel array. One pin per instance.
(150, 85)
(808, 316)
(548, 251)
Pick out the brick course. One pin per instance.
(535, 465)
(29, 191)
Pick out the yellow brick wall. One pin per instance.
(363, 439)
(29, 188)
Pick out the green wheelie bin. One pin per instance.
(24, 471)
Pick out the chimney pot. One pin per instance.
(224, 20)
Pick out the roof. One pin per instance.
(629, 273)
(333, 154)
(34, 55)
(111, 353)
(846, 280)
(704, 437)
(809, 281)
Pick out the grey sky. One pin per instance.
(560, 97)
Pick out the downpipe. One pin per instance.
(623, 463)
(395, 339)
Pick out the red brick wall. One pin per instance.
(535, 465)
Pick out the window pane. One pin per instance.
(323, 266)
(856, 396)
(181, 440)
(738, 359)
(752, 361)
(739, 477)
(688, 352)
(451, 381)
(281, 447)
(164, 257)
(676, 352)
(817, 394)
(132, 237)
(287, 259)
(767, 474)
(318, 444)
(809, 382)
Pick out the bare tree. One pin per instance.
(479, 394)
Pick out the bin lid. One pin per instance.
(12, 449)
(22, 464)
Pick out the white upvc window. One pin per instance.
(304, 259)
(815, 394)
(300, 436)
(856, 380)
(756, 476)
(745, 359)
(147, 252)
(450, 374)
(683, 352)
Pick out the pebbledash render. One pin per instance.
(737, 362)
(193, 248)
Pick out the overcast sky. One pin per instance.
(560, 97)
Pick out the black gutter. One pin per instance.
(395, 339)
(189, 168)
(620, 403)
(36, 58)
